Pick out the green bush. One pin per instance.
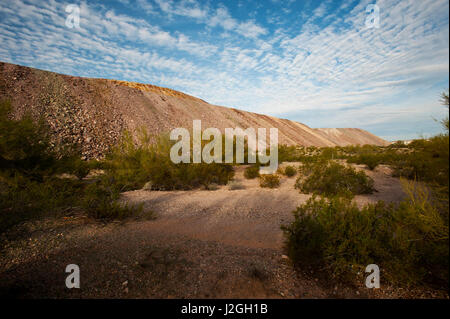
(428, 160)
(269, 180)
(290, 171)
(134, 164)
(398, 144)
(289, 153)
(251, 172)
(25, 149)
(24, 144)
(330, 178)
(409, 241)
(22, 198)
(101, 201)
(422, 159)
(31, 185)
(370, 160)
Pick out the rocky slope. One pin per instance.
(94, 112)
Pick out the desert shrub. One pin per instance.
(235, 185)
(329, 153)
(30, 175)
(428, 161)
(24, 144)
(134, 164)
(408, 241)
(28, 167)
(398, 144)
(313, 154)
(101, 201)
(22, 198)
(330, 178)
(251, 172)
(422, 159)
(370, 160)
(25, 148)
(269, 180)
(73, 164)
(290, 171)
(289, 153)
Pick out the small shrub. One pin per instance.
(330, 178)
(269, 180)
(289, 153)
(290, 171)
(251, 172)
(397, 144)
(102, 202)
(370, 160)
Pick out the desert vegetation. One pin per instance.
(251, 172)
(288, 171)
(135, 164)
(330, 232)
(408, 240)
(269, 181)
(39, 178)
(330, 178)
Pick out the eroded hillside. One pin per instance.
(94, 112)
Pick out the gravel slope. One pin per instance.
(94, 112)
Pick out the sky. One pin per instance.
(321, 63)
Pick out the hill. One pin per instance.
(94, 112)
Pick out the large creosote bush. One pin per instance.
(408, 241)
(36, 178)
(329, 178)
(25, 148)
(133, 164)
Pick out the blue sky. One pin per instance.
(310, 61)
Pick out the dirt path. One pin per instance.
(202, 244)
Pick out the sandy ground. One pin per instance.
(203, 244)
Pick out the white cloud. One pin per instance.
(187, 8)
(353, 75)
